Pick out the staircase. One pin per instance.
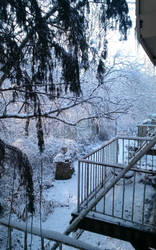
(116, 184)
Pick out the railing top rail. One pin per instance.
(113, 182)
(104, 145)
(116, 138)
(49, 234)
(120, 166)
(137, 138)
(145, 125)
(105, 164)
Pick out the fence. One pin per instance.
(131, 198)
(145, 130)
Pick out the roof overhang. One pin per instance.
(146, 26)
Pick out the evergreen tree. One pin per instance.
(38, 37)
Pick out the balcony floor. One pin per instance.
(118, 228)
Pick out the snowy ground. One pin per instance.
(64, 196)
(65, 192)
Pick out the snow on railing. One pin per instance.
(131, 198)
(127, 148)
(90, 204)
(106, 153)
(61, 239)
(91, 178)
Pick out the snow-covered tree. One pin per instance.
(44, 47)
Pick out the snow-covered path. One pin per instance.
(65, 194)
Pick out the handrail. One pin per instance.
(104, 145)
(119, 165)
(105, 190)
(146, 147)
(49, 234)
(100, 163)
(145, 125)
(115, 139)
(134, 160)
(147, 138)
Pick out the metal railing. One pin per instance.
(107, 153)
(145, 130)
(131, 198)
(34, 238)
(91, 178)
(127, 148)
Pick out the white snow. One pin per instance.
(65, 194)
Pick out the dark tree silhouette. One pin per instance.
(38, 37)
(34, 35)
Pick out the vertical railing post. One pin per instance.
(25, 240)
(87, 184)
(42, 243)
(123, 197)
(133, 199)
(152, 159)
(85, 181)
(143, 205)
(90, 177)
(10, 238)
(129, 151)
(60, 246)
(102, 167)
(82, 183)
(123, 148)
(113, 199)
(117, 150)
(78, 193)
